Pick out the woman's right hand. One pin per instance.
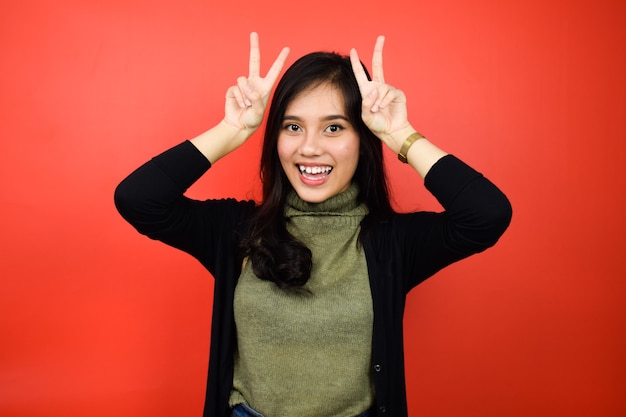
(247, 100)
(244, 109)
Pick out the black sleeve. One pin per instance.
(476, 213)
(152, 200)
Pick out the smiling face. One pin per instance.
(318, 147)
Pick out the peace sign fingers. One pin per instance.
(374, 92)
(247, 99)
(384, 107)
(254, 67)
(377, 65)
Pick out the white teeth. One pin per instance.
(315, 170)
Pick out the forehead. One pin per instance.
(322, 98)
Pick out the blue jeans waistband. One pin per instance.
(244, 410)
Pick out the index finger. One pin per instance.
(254, 66)
(357, 68)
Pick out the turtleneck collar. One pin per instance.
(345, 203)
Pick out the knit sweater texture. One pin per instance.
(311, 349)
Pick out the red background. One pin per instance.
(96, 320)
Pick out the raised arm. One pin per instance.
(245, 106)
(384, 112)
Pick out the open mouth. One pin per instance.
(314, 172)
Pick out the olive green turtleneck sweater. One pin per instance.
(309, 355)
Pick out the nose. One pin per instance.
(310, 144)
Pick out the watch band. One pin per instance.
(407, 144)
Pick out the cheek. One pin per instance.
(350, 154)
(282, 148)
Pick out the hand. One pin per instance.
(247, 100)
(384, 107)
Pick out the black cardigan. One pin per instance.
(400, 253)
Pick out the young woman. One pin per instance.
(310, 284)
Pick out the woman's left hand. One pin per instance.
(384, 107)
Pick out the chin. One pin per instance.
(311, 198)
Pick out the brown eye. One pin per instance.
(292, 127)
(334, 128)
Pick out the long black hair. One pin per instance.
(275, 254)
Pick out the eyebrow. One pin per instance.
(324, 119)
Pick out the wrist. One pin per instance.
(396, 139)
(234, 132)
(220, 140)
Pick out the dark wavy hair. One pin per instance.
(275, 254)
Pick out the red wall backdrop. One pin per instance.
(96, 320)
